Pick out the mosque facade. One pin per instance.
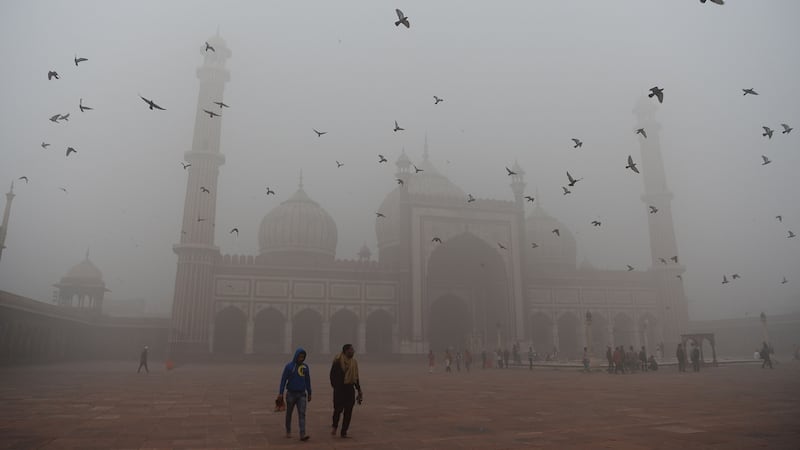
(480, 285)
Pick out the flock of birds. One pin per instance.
(655, 92)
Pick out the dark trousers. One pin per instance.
(143, 364)
(344, 398)
(767, 362)
(696, 365)
(681, 365)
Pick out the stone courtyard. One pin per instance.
(109, 405)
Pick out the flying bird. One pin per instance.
(437, 100)
(556, 232)
(566, 191)
(631, 165)
(766, 160)
(501, 246)
(735, 276)
(200, 220)
(234, 230)
(674, 259)
(402, 19)
(270, 191)
(338, 164)
(470, 198)
(596, 223)
(577, 142)
(71, 150)
(786, 129)
(725, 280)
(679, 276)
(653, 209)
(784, 281)
(767, 132)
(79, 60)
(780, 218)
(397, 127)
(151, 104)
(662, 260)
(718, 2)
(510, 172)
(630, 267)
(221, 105)
(399, 181)
(23, 178)
(534, 245)
(750, 91)
(791, 234)
(55, 118)
(185, 165)
(529, 198)
(642, 132)
(211, 114)
(319, 133)
(64, 189)
(204, 189)
(572, 181)
(209, 47)
(381, 159)
(657, 92)
(45, 145)
(53, 74)
(417, 169)
(436, 239)
(64, 117)
(377, 214)
(83, 108)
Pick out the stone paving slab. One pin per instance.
(108, 405)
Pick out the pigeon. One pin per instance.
(55, 118)
(510, 172)
(766, 160)
(338, 164)
(674, 259)
(23, 178)
(577, 142)
(204, 189)
(653, 209)
(657, 92)
(630, 267)
(71, 150)
(534, 245)
(718, 2)
(221, 105)
(53, 74)
(209, 47)
(185, 165)
(402, 19)
(437, 100)
(45, 145)
(679, 277)
(436, 239)
(784, 281)
(79, 60)
(566, 191)
(200, 220)
(750, 91)
(151, 104)
(642, 132)
(572, 181)
(596, 223)
(83, 108)
(767, 132)
(791, 234)
(735, 276)
(211, 114)
(399, 181)
(780, 218)
(64, 189)
(501, 246)
(662, 260)
(397, 127)
(556, 232)
(377, 214)
(417, 169)
(234, 230)
(270, 191)
(786, 129)
(319, 133)
(470, 198)
(64, 117)
(631, 165)
(725, 280)
(381, 159)
(529, 198)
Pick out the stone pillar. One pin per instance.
(248, 337)
(395, 338)
(211, 335)
(555, 334)
(287, 338)
(326, 337)
(362, 337)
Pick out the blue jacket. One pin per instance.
(296, 377)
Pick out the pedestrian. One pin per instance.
(483, 358)
(530, 357)
(431, 361)
(585, 359)
(766, 356)
(499, 359)
(618, 363)
(447, 360)
(143, 361)
(610, 358)
(296, 381)
(505, 358)
(467, 359)
(459, 358)
(681, 356)
(345, 384)
(643, 359)
(695, 358)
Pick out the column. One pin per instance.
(362, 337)
(211, 335)
(248, 337)
(326, 337)
(555, 333)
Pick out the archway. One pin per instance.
(229, 331)
(268, 332)
(623, 330)
(569, 345)
(468, 265)
(542, 333)
(450, 324)
(379, 333)
(599, 334)
(344, 330)
(307, 331)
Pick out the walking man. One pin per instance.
(296, 380)
(696, 358)
(530, 357)
(681, 355)
(610, 358)
(344, 381)
(467, 359)
(431, 361)
(143, 361)
(765, 350)
(643, 359)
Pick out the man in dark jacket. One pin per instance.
(143, 361)
(680, 354)
(296, 380)
(345, 383)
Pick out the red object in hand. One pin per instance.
(280, 404)
(169, 364)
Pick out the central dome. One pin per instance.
(298, 231)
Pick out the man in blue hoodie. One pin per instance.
(296, 380)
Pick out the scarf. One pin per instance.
(349, 367)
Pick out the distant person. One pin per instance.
(296, 380)
(143, 361)
(467, 359)
(345, 384)
(499, 358)
(643, 359)
(653, 365)
(431, 361)
(695, 358)
(530, 358)
(765, 356)
(585, 359)
(447, 361)
(680, 354)
(484, 360)
(505, 358)
(610, 358)
(619, 365)
(459, 358)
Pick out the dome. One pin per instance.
(298, 230)
(555, 253)
(84, 271)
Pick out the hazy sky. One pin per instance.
(519, 79)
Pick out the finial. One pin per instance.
(425, 148)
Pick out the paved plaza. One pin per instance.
(107, 405)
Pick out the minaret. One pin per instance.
(192, 308)
(518, 254)
(6, 214)
(673, 303)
